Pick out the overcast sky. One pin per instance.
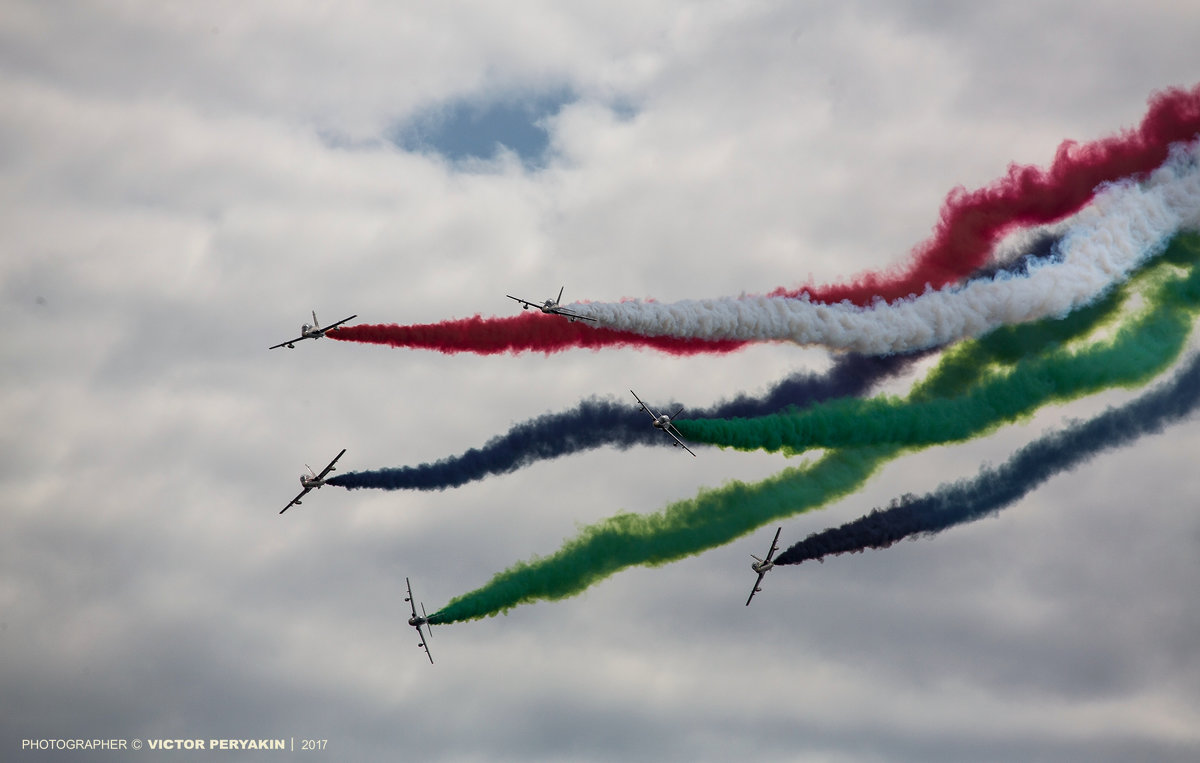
(183, 183)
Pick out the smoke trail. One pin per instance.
(595, 423)
(1125, 224)
(972, 222)
(682, 529)
(1120, 230)
(994, 489)
(688, 527)
(1141, 349)
(535, 332)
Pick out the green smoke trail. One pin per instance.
(960, 366)
(1141, 349)
(682, 529)
(716, 516)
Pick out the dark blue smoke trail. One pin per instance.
(1042, 249)
(965, 501)
(595, 423)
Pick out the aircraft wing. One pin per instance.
(645, 407)
(679, 441)
(285, 344)
(329, 468)
(296, 500)
(754, 590)
(332, 326)
(774, 544)
(524, 302)
(573, 316)
(425, 643)
(410, 601)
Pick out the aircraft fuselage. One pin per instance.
(760, 566)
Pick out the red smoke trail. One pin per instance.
(528, 332)
(972, 222)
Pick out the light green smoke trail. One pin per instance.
(681, 529)
(1142, 348)
(716, 516)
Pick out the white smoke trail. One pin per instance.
(1126, 224)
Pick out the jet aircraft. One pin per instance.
(315, 331)
(763, 566)
(417, 622)
(312, 480)
(551, 307)
(663, 422)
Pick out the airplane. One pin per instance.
(663, 422)
(763, 566)
(417, 622)
(550, 307)
(311, 332)
(312, 480)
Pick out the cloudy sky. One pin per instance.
(184, 183)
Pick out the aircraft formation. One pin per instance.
(313, 480)
(1042, 288)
